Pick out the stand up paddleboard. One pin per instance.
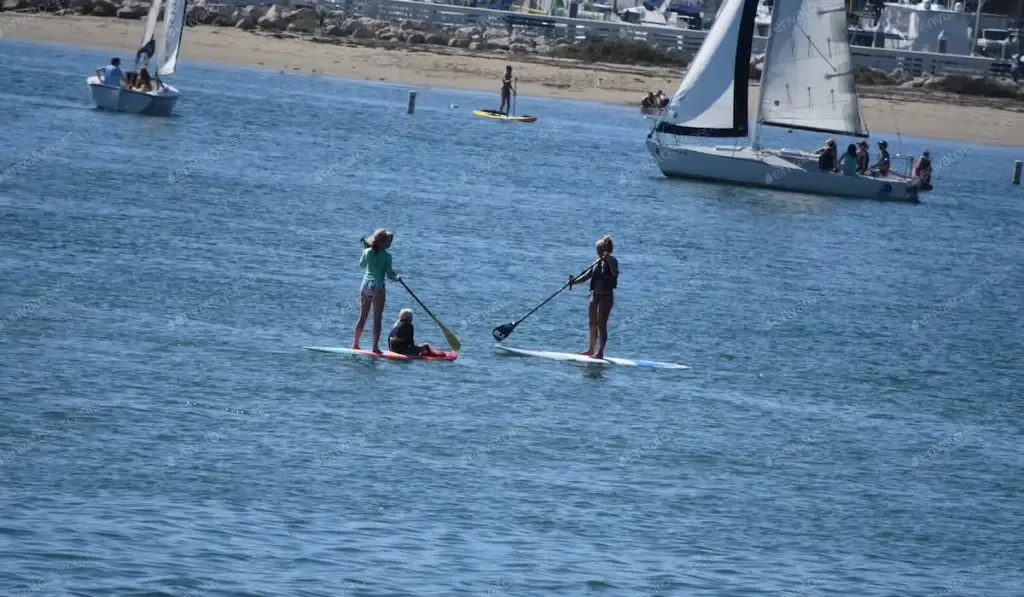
(568, 356)
(437, 355)
(499, 116)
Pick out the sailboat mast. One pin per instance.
(754, 134)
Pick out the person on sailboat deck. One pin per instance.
(144, 82)
(663, 100)
(848, 163)
(506, 91)
(827, 156)
(111, 74)
(862, 157)
(882, 167)
(650, 101)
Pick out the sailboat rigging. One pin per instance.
(807, 83)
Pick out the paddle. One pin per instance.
(515, 92)
(450, 337)
(502, 331)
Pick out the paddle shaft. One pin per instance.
(566, 285)
(452, 340)
(417, 299)
(515, 92)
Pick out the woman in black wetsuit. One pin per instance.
(604, 277)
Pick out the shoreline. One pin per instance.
(887, 110)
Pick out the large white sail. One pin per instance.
(174, 27)
(151, 19)
(712, 99)
(808, 80)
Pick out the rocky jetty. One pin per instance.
(339, 27)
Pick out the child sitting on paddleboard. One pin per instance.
(401, 340)
(376, 263)
(604, 277)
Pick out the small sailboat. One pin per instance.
(161, 98)
(807, 83)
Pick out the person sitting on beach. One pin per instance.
(862, 157)
(506, 91)
(111, 74)
(402, 338)
(827, 156)
(882, 167)
(848, 163)
(923, 171)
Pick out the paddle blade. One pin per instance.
(452, 340)
(502, 331)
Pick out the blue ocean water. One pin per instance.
(851, 424)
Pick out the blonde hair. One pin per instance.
(381, 238)
(405, 315)
(604, 244)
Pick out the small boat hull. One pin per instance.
(118, 99)
(785, 170)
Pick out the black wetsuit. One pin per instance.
(602, 283)
(401, 339)
(506, 93)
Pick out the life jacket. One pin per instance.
(401, 338)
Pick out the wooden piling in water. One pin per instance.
(1016, 171)
(412, 102)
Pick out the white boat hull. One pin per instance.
(776, 169)
(118, 99)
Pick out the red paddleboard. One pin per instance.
(436, 355)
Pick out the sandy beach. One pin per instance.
(887, 109)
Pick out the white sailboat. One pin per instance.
(807, 83)
(161, 100)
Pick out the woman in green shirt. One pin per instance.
(376, 264)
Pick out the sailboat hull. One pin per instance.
(116, 99)
(775, 169)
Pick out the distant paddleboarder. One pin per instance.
(506, 91)
(604, 277)
(376, 264)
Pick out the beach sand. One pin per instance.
(886, 110)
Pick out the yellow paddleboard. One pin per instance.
(499, 116)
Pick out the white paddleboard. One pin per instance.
(568, 356)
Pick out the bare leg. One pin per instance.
(591, 326)
(604, 309)
(378, 313)
(364, 311)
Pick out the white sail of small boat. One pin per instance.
(160, 99)
(807, 83)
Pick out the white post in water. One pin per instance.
(1016, 171)
(412, 102)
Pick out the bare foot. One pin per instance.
(356, 347)
(585, 353)
(376, 350)
(599, 356)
